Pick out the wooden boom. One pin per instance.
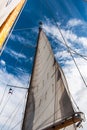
(66, 122)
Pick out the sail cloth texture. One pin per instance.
(48, 101)
(71, 127)
(9, 11)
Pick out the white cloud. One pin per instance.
(74, 22)
(76, 85)
(2, 62)
(15, 54)
(18, 97)
(69, 36)
(83, 41)
(17, 38)
(62, 55)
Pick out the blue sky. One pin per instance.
(17, 58)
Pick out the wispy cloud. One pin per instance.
(18, 38)
(68, 35)
(74, 22)
(14, 54)
(17, 98)
(2, 62)
(76, 85)
(75, 82)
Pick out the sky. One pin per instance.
(16, 60)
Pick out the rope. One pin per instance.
(67, 46)
(2, 97)
(12, 120)
(23, 116)
(23, 29)
(9, 80)
(11, 115)
(14, 112)
(4, 105)
(74, 52)
(48, 106)
(16, 125)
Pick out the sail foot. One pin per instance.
(76, 118)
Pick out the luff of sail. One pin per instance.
(8, 14)
(48, 104)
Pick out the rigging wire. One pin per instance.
(16, 113)
(69, 51)
(2, 97)
(48, 88)
(16, 125)
(75, 52)
(65, 43)
(24, 107)
(7, 85)
(4, 105)
(24, 29)
(9, 78)
(10, 115)
(48, 106)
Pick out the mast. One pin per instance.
(48, 105)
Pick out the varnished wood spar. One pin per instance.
(65, 123)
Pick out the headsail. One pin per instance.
(8, 14)
(48, 103)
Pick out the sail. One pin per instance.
(9, 10)
(48, 103)
(71, 127)
(6, 8)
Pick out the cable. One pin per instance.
(75, 52)
(6, 85)
(11, 115)
(13, 112)
(9, 78)
(16, 125)
(4, 105)
(48, 106)
(23, 29)
(67, 46)
(2, 97)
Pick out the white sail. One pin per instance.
(71, 127)
(6, 7)
(48, 102)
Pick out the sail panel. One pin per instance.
(50, 102)
(71, 127)
(6, 8)
(7, 20)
